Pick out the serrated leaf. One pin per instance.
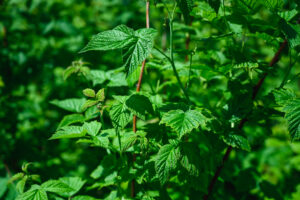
(283, 96)
(186, 6)
(92, 128)
(135, 45)
(205, 11)
(35, 193)
(100, 96)
(73, 105)
(75, 183)
(71, 119)
(288, 15)
(56, 186)
(119, 113)
(139, 105)
(89, 92)
(237, 141)
(166, 161)
(291, 32)
(136, 53)
(183, 122)
(69, 132)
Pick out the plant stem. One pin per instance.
(242, 122)
(171, 59)
(138, 88)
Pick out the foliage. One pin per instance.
(69, 100)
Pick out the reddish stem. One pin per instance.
(242, 122)
(138, 88)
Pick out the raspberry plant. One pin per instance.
(175, 119)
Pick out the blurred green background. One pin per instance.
(41, 38)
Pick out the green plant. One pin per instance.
(207, 95)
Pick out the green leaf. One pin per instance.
(3, 186)
(186, 6)
(291, 32)
(135, 45)
(71, 119)
(75, 183)
(183, 122)
(92, 128)
(34, 193)
(83, 197)
(89, 92)
(100, 96)
(89, 103)
(288, 15)
(21, 184)
(69, 132)
(139, 105)
(56, 186)
(73, 105)
(291, 107)
(205, 11)
(119, 113)
(237, 141)
(166, 161)
(137, 52)
(118, 38)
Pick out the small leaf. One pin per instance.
(89, 92)
(73, 105)
(92, 128)
(69, 132)
(183, 122)
(89, 103)
(21, 184)
(166, 161)
(100, 96)
(139, 105)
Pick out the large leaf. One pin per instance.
(119, 113)
(139, 105)
(291, 32)
(56, 186)
(73, 105)
(71, 119)
(69, 132)
(166, 161)
(34, 193)
(135, 45)
(183, 122)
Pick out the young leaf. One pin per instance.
(92, 128)
(89, 103)
(166, 161)
(100, 96)
(73, 105)
(139, 105)
(89, 92)
(69, 132)
(183, 122)
(56, 186)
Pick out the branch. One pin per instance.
(138, 88)
(242, 122)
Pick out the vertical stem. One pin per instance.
(138, 88)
